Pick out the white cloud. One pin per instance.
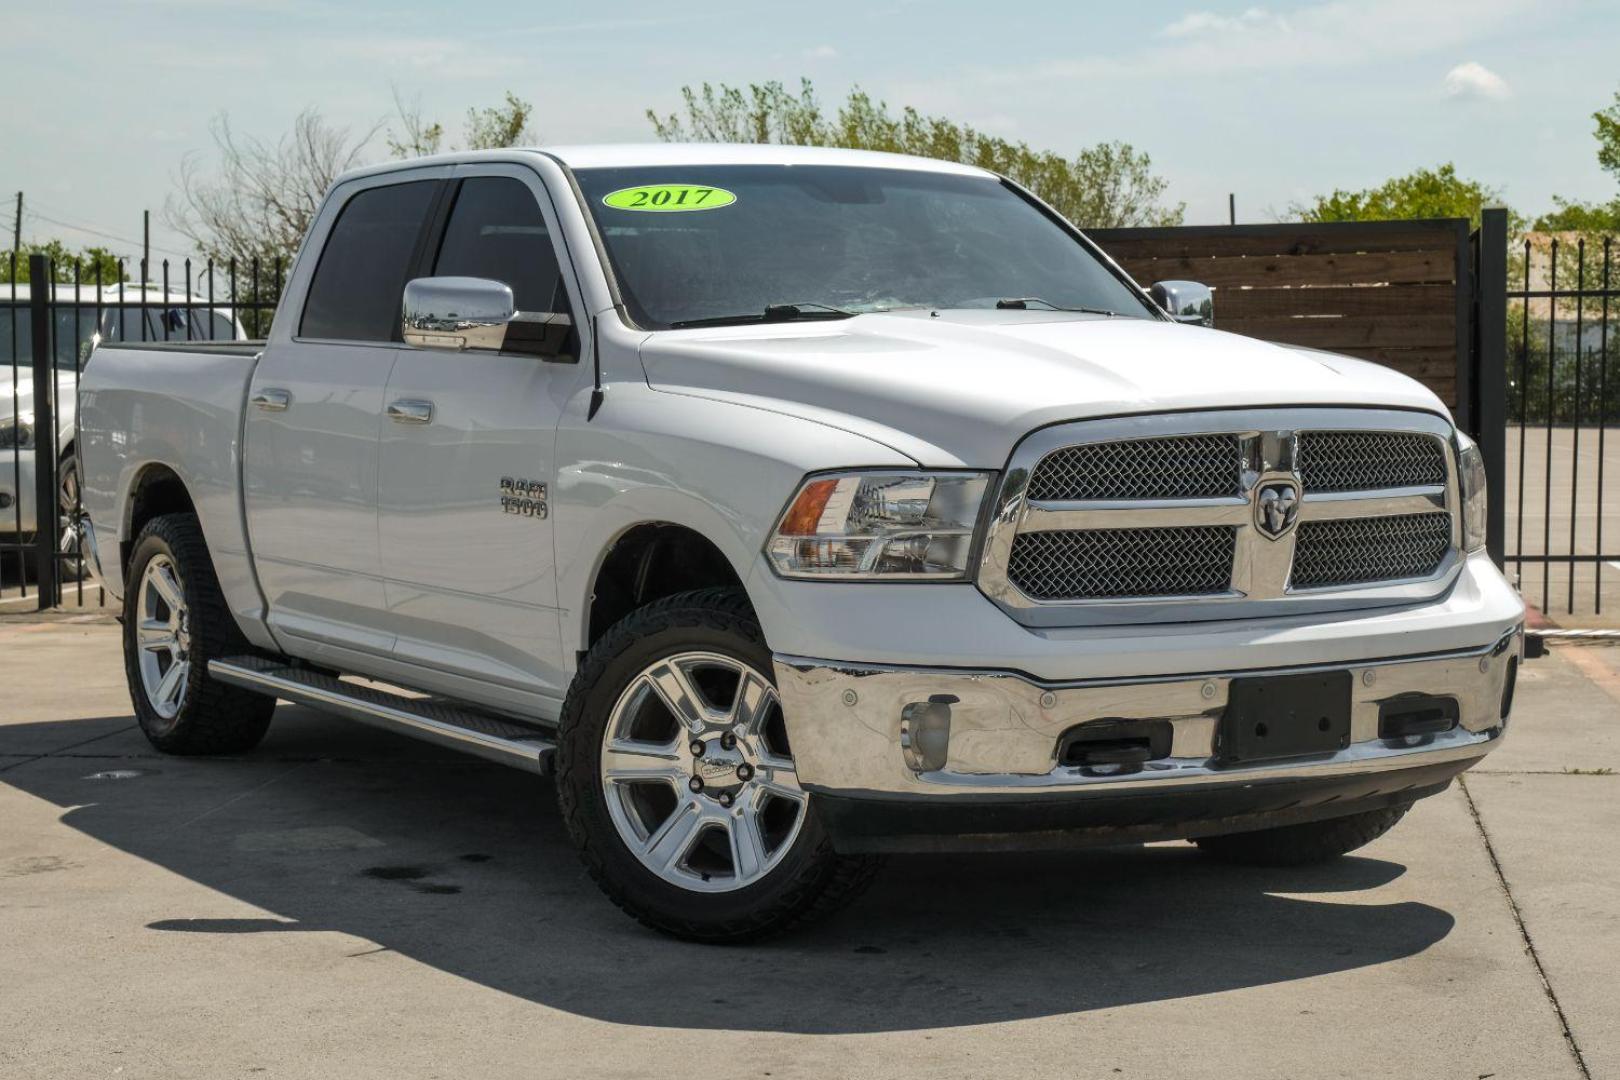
(821, 52)
(1195, 23)
(1475, 80)
(1319, 34)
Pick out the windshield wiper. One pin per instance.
(1020, 303)
(802, 311)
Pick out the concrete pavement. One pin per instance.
(342, 902)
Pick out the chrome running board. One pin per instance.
(429, 719)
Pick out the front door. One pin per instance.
(466, 466)
(314, 408)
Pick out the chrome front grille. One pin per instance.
(1354, 551)
(1179, 467)
(1369, 460)
(1207, 515)
(1097, 563)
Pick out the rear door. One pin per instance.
(313, 412)
(467, 465)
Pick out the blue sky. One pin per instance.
(1274, 101)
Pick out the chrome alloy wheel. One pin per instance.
(698, 775)
(163, 635)
(70, 515)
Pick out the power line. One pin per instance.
(57, 213)
(37, 216)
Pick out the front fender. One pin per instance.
(721, 469)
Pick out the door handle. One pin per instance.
(272, 400)
(410, 412)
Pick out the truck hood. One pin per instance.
(961, 388)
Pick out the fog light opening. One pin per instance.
(925, 733)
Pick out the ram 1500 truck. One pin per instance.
(795, 506)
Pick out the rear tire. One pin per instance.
(175, 622)
(1301, 845)
(717, 845)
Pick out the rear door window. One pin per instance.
(356, 291)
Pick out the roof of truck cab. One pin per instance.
(634, 154)
(630, 155)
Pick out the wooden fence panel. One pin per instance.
(1397, 293)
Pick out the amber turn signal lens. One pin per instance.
(805, 513)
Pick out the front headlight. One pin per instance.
(1471, 479)
(17, 432)
(880, 526)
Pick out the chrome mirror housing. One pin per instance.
(457, 313)
(1186, 301)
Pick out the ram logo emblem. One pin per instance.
(1276, 508)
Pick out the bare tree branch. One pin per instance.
(260, 197)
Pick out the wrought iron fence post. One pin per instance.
(1490, 382)
(45, 497)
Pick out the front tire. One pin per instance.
(1302, 845)
(677, 783)
(175, 622)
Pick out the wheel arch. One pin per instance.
(647, 561)
(156, 489)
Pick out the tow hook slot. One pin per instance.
(1411, 715)
(1115, 742)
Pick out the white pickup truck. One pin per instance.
(795, 506)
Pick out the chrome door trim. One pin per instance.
(1261, 566)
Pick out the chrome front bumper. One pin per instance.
(855, 729)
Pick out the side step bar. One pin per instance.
(428, 719)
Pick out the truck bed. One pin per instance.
(149, 409)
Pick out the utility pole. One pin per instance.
(146, 244)
(16, 228)
(1231, 208)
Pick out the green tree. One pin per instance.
(492, 128)
(64, 261)
(1573, 215)
(1110, 184)
(1582, 217)
(1608, 136)
(1423, 193)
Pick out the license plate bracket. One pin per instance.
(1282, 716)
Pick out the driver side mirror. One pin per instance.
(477, 313)
(1187, 301)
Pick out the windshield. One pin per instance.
(697, 243)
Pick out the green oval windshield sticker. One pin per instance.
(666, 198)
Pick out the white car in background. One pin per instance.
(83, 317)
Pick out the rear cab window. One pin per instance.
(356, 289)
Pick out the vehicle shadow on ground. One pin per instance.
(465, 866)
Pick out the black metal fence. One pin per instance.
(1561, 329)
(1537, 382)
(48, 327)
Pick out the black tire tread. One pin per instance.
(1300, 845)
(215, 718)
(814, 896)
